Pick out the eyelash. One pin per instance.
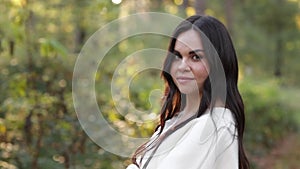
(177, 56)
(199, 57)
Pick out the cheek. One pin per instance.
(201, 71)
(205, 66)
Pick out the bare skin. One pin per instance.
(189, 70)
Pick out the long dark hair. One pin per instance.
(219, 48)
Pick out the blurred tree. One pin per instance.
(39, 42)
(276, 20)
(182, 7)
(79, 28)
(40, 124)
(228, 7)
(200, 6)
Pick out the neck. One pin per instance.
(192, 104)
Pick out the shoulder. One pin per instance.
(226, 127)
(132, 166)
(222, 117)
(213, 123)
(219, 117)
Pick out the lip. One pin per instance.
(183, 79)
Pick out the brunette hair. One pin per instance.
(219, 47)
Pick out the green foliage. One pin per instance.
(51, 47)
(268, 117)
(39, 41)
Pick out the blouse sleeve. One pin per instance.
(201, 144)
(132, 166)
(227, 149)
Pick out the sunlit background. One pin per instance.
(39, 44)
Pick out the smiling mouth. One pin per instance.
(184, 79)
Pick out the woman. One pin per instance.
(202, 116)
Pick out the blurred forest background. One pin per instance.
(39, 44)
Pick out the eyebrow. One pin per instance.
(196, 50)
(192, 51)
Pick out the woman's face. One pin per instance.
(190, 67)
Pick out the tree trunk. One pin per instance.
(182, 8)
(278, 57)
(200, 6)
(79, 31)
(11, 47)
(279, 29)
(38, 145)
(229, 15)
(79, 38)
(1, 48)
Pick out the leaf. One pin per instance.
(52, 46)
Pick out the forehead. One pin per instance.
(188, 40)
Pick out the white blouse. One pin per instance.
(207, 142)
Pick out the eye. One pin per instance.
(177, 57)
(197, 57)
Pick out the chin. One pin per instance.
(187, 91)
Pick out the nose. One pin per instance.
(183, 65)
